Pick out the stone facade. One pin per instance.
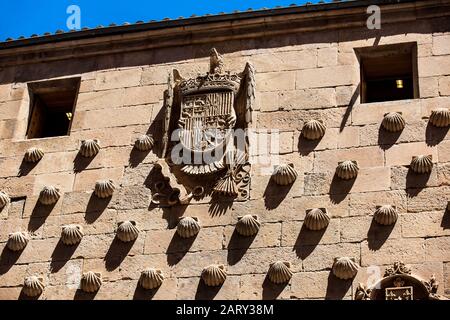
(300, 76)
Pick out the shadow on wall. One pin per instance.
(337, 288)
(270, 290)
(219, 205)
(238, 246)
(39, 215)
(178, 247)
(339, 189)
(387, 139)
(156, 130)
(306, 146)
(445, 223)
(81, 295)
(307, 241)
(415, 182)
(26, 167)
(80, 163)
(434, 135)
(350, 106)
(7, 259)
(378, 234)
(61, 255)
(274, 194)
(143, 294)
(117, 252)
(205, 292)
(95, 207)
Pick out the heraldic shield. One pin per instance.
(206, 127)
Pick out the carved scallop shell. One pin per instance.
(151, 278)
(313, 129)
(104, 188)
(422, 164)
(347, 170)
(89, 147)
(386, 215)
(248, 225)
(17, 241)
(280, 272)
(71, 234)
(226, 186)
(91, 281)
(214, 275)
(33, 286)
(440, 117)
(188, 227)
(33, 155)
(345, 268)
(317, 219)
(4, 199)
(127, 231)
(49, 195)
(284, 174)
(144, 143)
(393, 122)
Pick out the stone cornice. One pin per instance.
(214, 29)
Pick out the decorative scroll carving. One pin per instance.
(397, 268)
(203, 113)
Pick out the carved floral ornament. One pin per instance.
(399, 283)
(205, 127)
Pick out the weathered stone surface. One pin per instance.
(434, 66)
(194, 289)
(402, 178)
(269, 235)
(118, 79)
(366, 157)
(437, 249)
(441, 45)
(167, 241)
(327, 57)
(321, 257)
(387, 252)
(307, 99)
(322, 284)
(444, 86)
(326, 77)
(373, 113)
(429, 199)
(362, 204)
(424, 224)
(429, 87)
(294, 233)
(362, 228)
(274, 81)
(401, 154)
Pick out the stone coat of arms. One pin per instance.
(206, 124)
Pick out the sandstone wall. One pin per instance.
(299, 77)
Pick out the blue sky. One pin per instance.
(26, 17)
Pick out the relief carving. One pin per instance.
(203, 117)
(399, 283)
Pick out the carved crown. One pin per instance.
(214, 80)
(211, 82)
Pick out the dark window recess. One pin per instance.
(52, 107)
(388, 72)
